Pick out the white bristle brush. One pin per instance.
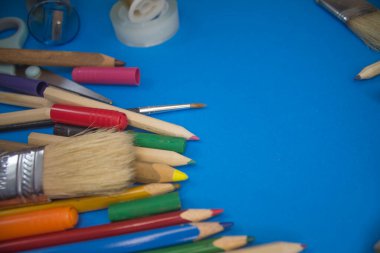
(90, 164)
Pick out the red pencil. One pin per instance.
(117, 228)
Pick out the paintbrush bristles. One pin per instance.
(90, 164)
(367, 27)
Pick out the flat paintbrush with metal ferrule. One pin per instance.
(91, 164)
(360, 16)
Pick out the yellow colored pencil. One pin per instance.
(157, 173)
(87, 204)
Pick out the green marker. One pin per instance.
(144, 207)
(218, 244)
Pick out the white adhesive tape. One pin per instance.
(145, 10)
(145, 34)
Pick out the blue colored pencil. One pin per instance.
(145, 240)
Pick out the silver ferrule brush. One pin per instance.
(345, 10)
(21, 173)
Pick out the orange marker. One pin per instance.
(37, 222)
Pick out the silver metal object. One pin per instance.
(159, 108)
(347, 9)
(64, 83)
(21, 173)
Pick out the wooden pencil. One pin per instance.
(369, 71)
(168, 157)
(218, 244)
(56, 58)
(149, 155)
(23, 100)
(275, 247)
(145, 240)
(86, 204)
(115, 228)
(157, 173)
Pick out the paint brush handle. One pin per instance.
(37, 139)
(88, 117)
(22, 85)
(25, 116)
(23, 100)
(10, 146)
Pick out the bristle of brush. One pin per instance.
(367, 27)
(94, 163)
(197, 105)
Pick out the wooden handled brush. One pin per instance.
(91, 164)
(360, 16)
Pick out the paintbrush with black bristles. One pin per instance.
(91, 164)
(360, 16)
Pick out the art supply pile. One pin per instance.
(92, 163)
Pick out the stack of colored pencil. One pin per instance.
(145, 218)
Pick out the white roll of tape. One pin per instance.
(145, 10)
(145, 34)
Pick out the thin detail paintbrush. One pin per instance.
(360, 16)
(166, 108)
(91, 164)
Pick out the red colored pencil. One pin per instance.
(117, 228)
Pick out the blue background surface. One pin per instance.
(289, 141)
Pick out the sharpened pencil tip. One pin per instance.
(250, 238)
(304, 246)
(179, 176)
(197, 105)
(194, 138)
(216, 211)
(119, 63)
(358, 77)
(191, 162)
(226, 225)
(177, 186)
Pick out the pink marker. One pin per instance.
(107, 75)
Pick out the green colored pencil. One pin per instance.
(144, 207)
(213, 245)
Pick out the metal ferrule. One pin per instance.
(346, 10)
(21, 173)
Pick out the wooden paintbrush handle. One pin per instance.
(37, 139)
(10, 146)
(24, 116)
(23, 100)
(55, 58)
